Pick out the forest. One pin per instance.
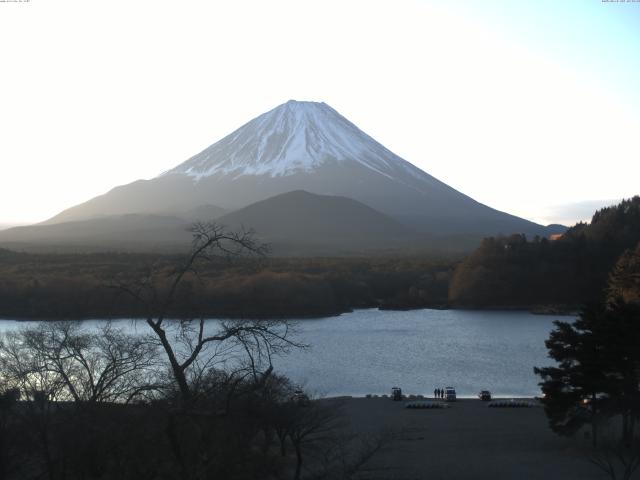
(51, 286)
(514, 272)
(503, 272)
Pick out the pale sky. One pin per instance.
(531, 107)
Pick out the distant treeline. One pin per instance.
(504, 272)
(91, 286)
(571, 271)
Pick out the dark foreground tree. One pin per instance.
(10, 456)
(598, 371)
(574, 388)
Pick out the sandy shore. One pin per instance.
(467, 441)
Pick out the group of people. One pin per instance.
(438, 393)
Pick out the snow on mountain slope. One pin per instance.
(292, 138)
(304, 146)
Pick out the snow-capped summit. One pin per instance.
(292, 138)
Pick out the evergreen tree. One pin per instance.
(573, 390)
(624, 281)
(598, 370)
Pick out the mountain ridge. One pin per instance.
(293, 223)
(305, 146)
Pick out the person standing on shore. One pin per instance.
(436, 392)
(442, 393)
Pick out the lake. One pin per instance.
(369, 351)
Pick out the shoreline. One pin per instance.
(569, 312)
(418, 397)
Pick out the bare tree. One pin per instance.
(23, 369)
(310, 426)
(57, 362)
(617, 459)
(191, 349)
(63, 361)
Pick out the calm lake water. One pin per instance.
(369, 351)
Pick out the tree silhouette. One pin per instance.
(598, 371)
(186, 342)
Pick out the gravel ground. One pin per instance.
(467, 441)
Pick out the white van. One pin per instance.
(450, 394)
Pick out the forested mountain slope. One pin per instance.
(514, 272)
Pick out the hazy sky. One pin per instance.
(531, 107)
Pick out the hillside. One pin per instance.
(303, 222)
(132, 232)
(514, 272)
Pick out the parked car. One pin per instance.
(300, 398)
(396, 394)
(484, 395)
(450, 394)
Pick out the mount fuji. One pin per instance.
(305, 146)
